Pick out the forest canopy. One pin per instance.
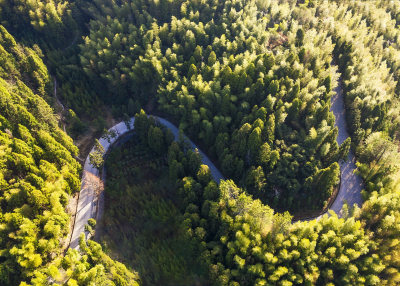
(38, 171)
(251, 82)
(246, 90)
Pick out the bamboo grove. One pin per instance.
(251, 83)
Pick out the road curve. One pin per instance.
(92, 183)
(351, 184)
(217, 175)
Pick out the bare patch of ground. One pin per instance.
(86, 141)
(71, 210)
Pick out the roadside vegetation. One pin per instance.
(250, 81)
(179, 224)
(143, 225)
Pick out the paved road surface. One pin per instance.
(350, 187)
(92, 183)
(206, 161)
(351, 184)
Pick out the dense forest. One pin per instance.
(38, 173)
(251, 83)
(263, 120)
(141, 203)
(221, 228)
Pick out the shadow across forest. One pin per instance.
(143, 226)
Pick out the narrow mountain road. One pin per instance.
(217, 175)
(90, 204)
(351, 184)
(91, 198)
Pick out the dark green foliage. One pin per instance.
(251, 81)
(143, 224)
(52, 21)
(215, 78)
(324, 181)
(77, 126)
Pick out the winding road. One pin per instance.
(91, 195)
(351, 184)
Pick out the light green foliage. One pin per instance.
(204, 175)
(37, 169)
(232, 79)
(48, 18)
(88, 266)
(97, 156)
(92, 222)
(246, 243)
(251, 81)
